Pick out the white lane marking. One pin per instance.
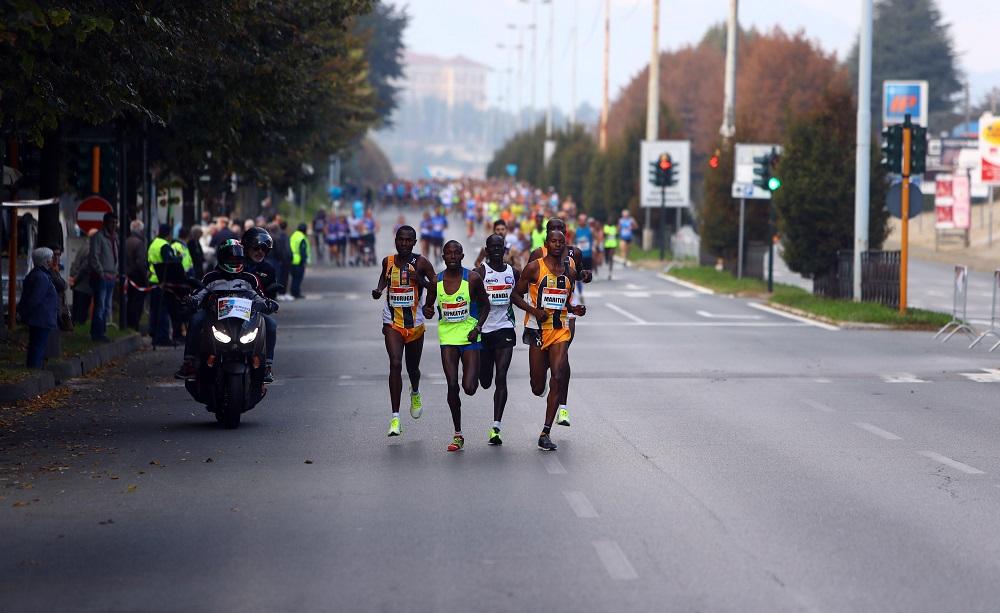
(636, 294)
(167, 384)
(581, 505)
(819, 406)
(690, 286)
(592, 294)
(634, 286)
(614, 560)
(344, 377)
(989, 375)
(680, 294)
(902, 377)
(315, 326)
(822, 380)
(697, 324)
(960, 466)
(805, 320)
(708, 315)
(351, 297)
(879, 432)
(622, 311)
(552, 464)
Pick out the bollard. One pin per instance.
(959, 321)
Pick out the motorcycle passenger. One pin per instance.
(257, 243)
(228, 275)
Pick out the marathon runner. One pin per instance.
(574, 258)
(500, 229)
(406, 275)
(627, 226)
(610, 246)
(439, 221)
(463, 308)
(549, 282)
(499, 336)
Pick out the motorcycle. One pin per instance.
(231, 360)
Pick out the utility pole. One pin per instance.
(652, 111)
(728, 129)
(520, 71)
(572, 75)
(602, 137)
(552, 60)
(534, 55)
(862, 160)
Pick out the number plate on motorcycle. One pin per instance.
(235, 307)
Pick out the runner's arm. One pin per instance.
(535, 255)
(383, 280)
(585, 275)
(579, 310)
(425, 272)
(479, 295)
(480, 257)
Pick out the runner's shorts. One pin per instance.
(409, 334)
(543, 339)
(499, 339)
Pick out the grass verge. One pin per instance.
(843, 311)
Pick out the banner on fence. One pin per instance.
(952, 202)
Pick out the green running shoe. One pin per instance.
(457, 443)
(416, 404)
(495, 437)
(394, 427)
(562, 418)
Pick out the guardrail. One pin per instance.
(959, 317)
(994, 329)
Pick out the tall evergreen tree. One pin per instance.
(815, 204)
(911, 41)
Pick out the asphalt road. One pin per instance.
(721, 458)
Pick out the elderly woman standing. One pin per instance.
(39, 306)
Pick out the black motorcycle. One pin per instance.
(231, 360)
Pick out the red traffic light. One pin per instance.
(665, 162)
(713, 162)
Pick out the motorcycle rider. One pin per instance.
(257, 243)
(228, 274)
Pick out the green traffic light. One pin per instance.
(773, 184)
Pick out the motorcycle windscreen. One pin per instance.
(234, 307)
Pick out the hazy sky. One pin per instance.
(474, 28)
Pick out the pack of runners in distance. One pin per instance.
(476, 321)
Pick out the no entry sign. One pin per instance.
(90, 213)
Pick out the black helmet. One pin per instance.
(230, 256)
(257, 237)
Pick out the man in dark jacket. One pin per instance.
(39, 306)
(137, 271)
(283, 253)
(103, 263)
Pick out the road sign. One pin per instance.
(743, 176)
(989, 149)
(894, 201)
(90, 213)
(902, 98)
(677, 195)
(951, 202)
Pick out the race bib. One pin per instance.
(438, 227)
(554, 298)
(235, 307)
(402, 297)
(454, 312)
(499, 294)
(583, 244)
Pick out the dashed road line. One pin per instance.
(708, 315)
(636, 294)
(959, 466)
(989, 375)
(779, 313)
(690, 286)
(879, 432)
(552, 464)
(902, 377)
(625, 313)
(615, 561)
(581, 505)
(819, 406)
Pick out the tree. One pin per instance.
(815, 204)
(911, 41)
(381, 30)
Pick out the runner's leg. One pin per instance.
(503, 358)
(449, 362)
(414, 349)
(537, 369)
(394, 347)
(470, 371)
(486, 360)
(558, 359)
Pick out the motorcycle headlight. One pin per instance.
(222, 337)
(249, 337)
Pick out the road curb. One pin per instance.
(843, 325)
(59, 371)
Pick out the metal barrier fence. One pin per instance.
(879, 278)
(994, 329)
(959, 318)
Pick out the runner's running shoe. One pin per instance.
(562, 418)
(394, 427)
(495, 437)
(545, 443)
(416, 404)
(457, 443)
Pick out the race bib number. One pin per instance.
(438, 227)
(554, 298)
(238, 308)
(454, 312)
(583, 244)
(402, 297)
(499, 294)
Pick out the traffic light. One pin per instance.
(918, 150)
(713, 162)
(892, 148)
(654, 174)
(763, 171)
(773, 181)
(109, 172)
(661, 172)
(79, 167)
